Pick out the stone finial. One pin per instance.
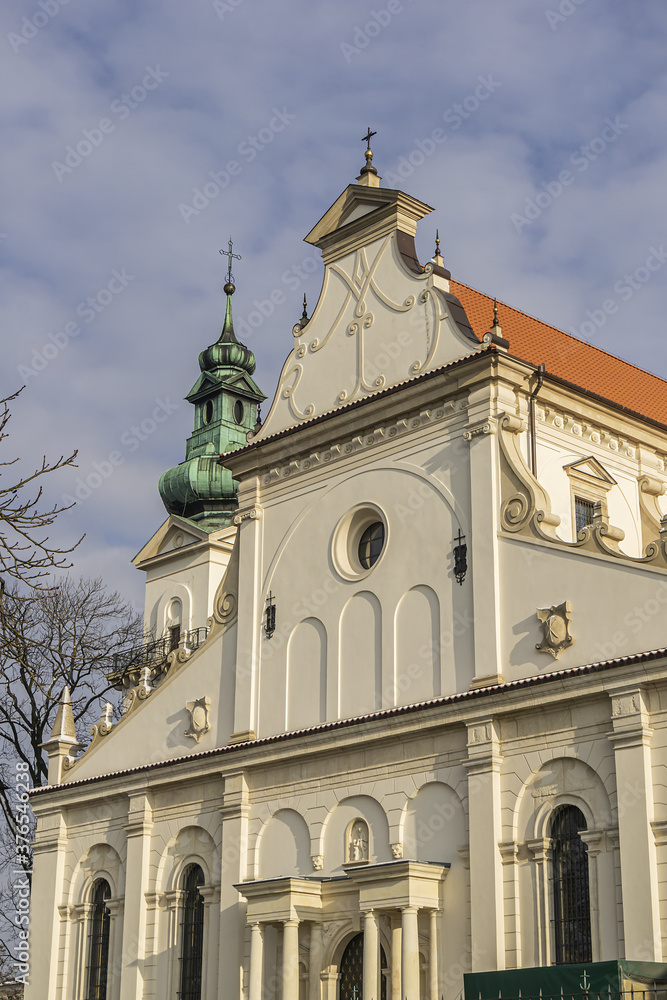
(63, 727)
(62, 740)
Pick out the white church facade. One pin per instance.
(403, 715)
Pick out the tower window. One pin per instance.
(208, 411)
(371, 544)
(583, 512)
(571, 894)
(192, 934)
(238, 411)
(174, 636)
(98, 942)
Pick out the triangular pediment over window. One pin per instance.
(589, 469)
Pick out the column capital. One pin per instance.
(209, 893)
(593, 840)
(291, 922)
(540, 847)
(173, 898)
(114, 906)
(410, 909)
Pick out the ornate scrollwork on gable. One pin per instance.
(225, 602)
(526, 507)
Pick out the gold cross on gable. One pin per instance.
(229, 254)
(367, 138)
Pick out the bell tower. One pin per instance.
(226, 402)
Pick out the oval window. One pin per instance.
(238, 411)
(208, 411)
(371, 544)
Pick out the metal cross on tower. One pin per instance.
(229, 254)
(367, 138)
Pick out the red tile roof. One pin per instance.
(567, 357)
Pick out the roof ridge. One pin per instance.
(550, 326)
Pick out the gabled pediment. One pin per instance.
(590, 469)
(175, 533)
(362, 214)
(209, 385)
(206, 385)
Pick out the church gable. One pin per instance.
(175, 533)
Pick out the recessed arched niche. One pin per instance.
(306, 674)
(360, 656)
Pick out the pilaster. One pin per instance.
(487, 920)
(138, 827)
(234, 810)
(631, 739)
(45, 925)
(484, 404)
(250, 635)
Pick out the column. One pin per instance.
(371, 957)
(396, 944)
(256, 961)
(487, 917)
(410, 980)
(290, 959)
(433, 955)
(138, 833)
(315, 961)
(634, 782)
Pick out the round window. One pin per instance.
(238, 411)
(359, 541)
(208, 411)
(371, 544)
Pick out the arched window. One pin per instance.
(98, 942)
(570, 889)
(192, 934)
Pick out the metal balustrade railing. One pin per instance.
(152, 653)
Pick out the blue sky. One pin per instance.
(116, 114)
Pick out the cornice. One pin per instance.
(503, 699)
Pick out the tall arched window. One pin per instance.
(98, 942)
(192, 934)
(570, 889)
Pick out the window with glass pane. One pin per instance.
(371, 544)
(192, 934)
(98, 942)
(569, 880)
(583, 512)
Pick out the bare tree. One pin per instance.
(26, 555)
(66, 635)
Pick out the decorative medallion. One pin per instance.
(555, 628)
(199, 724)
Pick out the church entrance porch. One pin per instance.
(373, 911)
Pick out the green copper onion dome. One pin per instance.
(226, 402)
(227, 351)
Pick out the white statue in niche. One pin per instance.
(357, 844)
